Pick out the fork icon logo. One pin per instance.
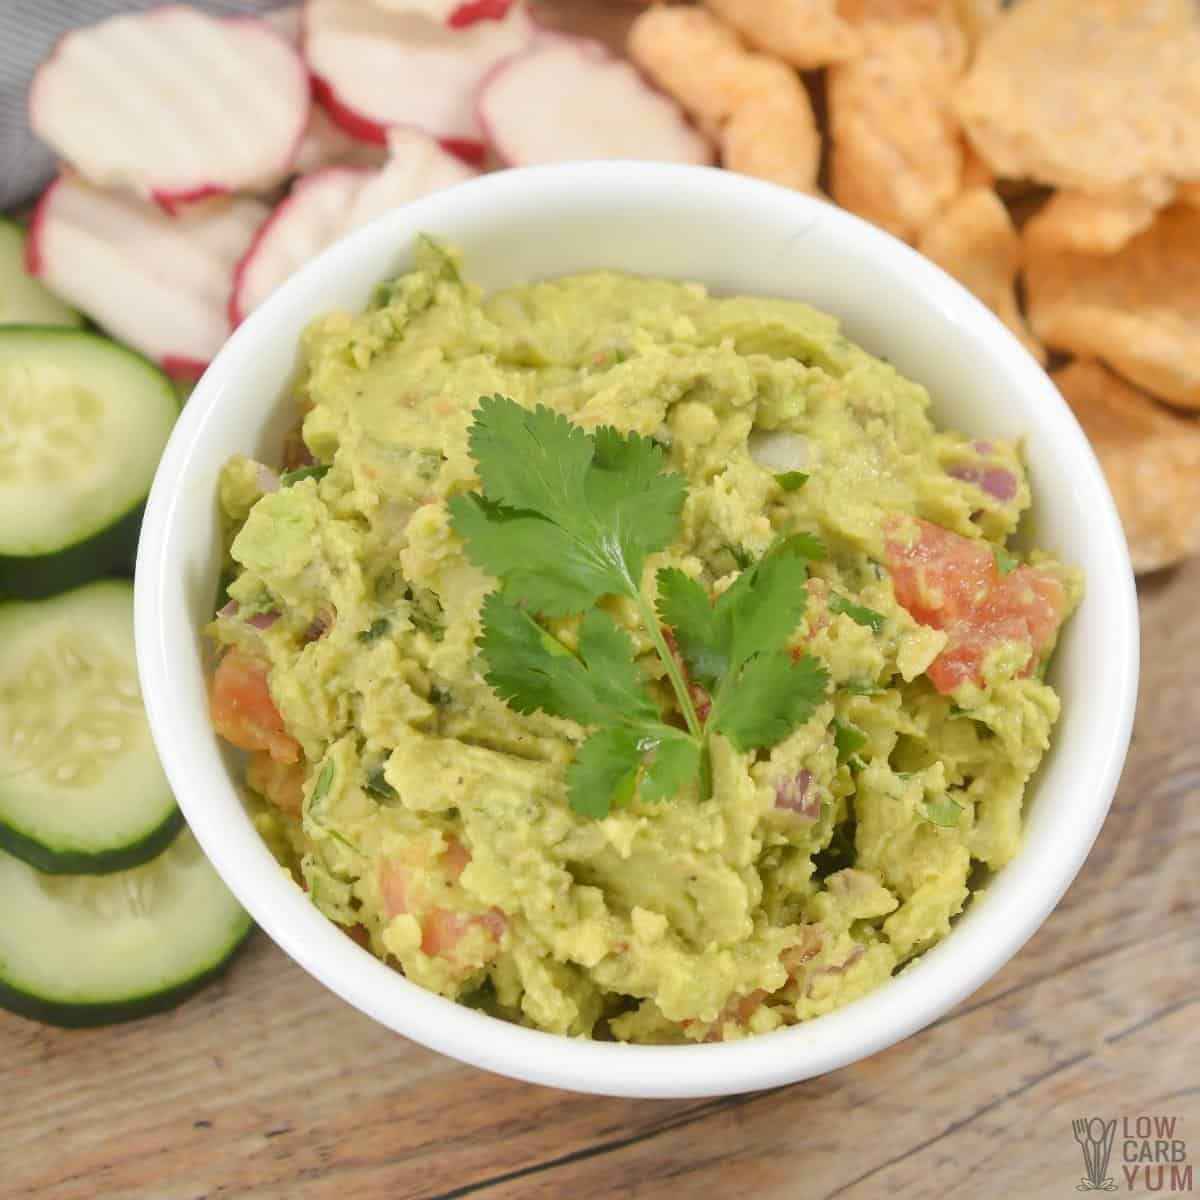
(1095, 1138)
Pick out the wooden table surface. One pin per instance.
(265, 1085)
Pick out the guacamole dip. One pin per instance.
(435, 823)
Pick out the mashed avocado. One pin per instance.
(430, 819)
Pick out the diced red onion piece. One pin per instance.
(985, 448)
(230, 609)
(996, 481)
(266, 479)
(263, 620)
(318, 627)
(796, 795)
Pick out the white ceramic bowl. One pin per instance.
(736, 235)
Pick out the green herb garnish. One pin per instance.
(848, 739)
(943, 811)
(324, 780)
(860, 687)
(791, 481)
(1006, 563)
(377, 785)
(374, 631)
(567, 517)
(317, 471)
(856, 612)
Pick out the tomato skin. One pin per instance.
(243, 712)
(952, 583)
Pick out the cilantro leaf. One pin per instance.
(685, 607)
(1006, 563)
(791, 481)
(543, 567)
(762, 608)
(565, 516)
(848, 739)
(858, 613)
(632, 499)
(773, 695)
(531, 459)
(530, 669)
(604, 773)
(758, 612)
(671, 760)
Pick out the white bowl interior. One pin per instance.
(736, 235)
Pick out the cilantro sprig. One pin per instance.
(565, 518)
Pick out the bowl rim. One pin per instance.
(914, 998)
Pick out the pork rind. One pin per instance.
(1100, 96)
(975, 241)
(755, 107)
(1095, 224)
(978, 16)
(1138, 309)
(1151, 459)
(897, 150)
(806, 33)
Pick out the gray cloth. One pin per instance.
(28, 28)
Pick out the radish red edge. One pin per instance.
(172, 202)
(354, 123)
(469, 150)
(233, 307)
(471, 11)
(179, 366)
(33, 244)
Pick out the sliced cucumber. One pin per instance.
(83, 423)
(81, 789)
(90, 950)
(23, 300)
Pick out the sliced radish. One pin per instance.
(302, 225)
(416, 166)
(159, 283)
(328, 204)
(374, 68)
(568, 98)
(458, 14)
(327, 144)
(173, 105)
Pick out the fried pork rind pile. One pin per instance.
(1045, 152)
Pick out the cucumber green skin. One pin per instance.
(81, 1016)
(79, 862)
(112, 549)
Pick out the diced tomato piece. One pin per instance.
(393, 883)
(456, 856)
(243, 712)
(441, 928)
(952, 583)
(281, 783)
